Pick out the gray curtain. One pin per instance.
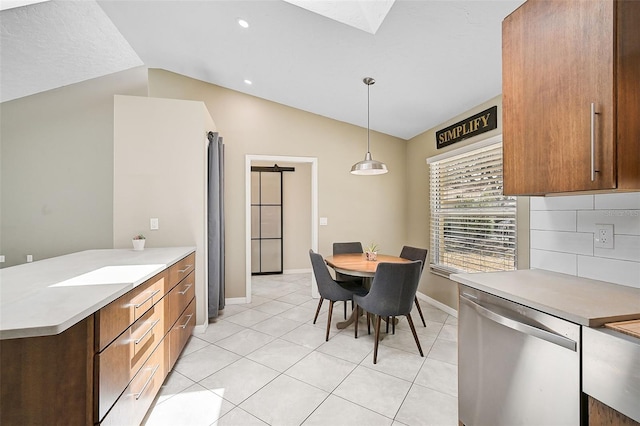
(215, 239)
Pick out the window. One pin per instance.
(473, 226)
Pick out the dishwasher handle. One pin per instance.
(520, 326)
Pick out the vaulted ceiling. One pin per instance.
(431, 59)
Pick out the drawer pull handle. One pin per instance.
(593, 141)
(182, 271)
(147, 299)
(185, 289)
(186, 322)
(146, 332)
(144, 387)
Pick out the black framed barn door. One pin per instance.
(267, 219)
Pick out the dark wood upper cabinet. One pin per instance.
(558, 59)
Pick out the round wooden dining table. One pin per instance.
(357, 265)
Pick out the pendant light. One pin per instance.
(368, 166)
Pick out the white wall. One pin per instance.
(160, 170)
(562, 236)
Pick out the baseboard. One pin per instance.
(446, 308)
(235, 300)
(199, 329)
(296, 271)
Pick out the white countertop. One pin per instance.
(48, 296)
(579, 300)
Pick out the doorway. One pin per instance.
(313, 217)
(267, 219)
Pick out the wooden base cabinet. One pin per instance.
(570, 72)
(108, 368)
(48, 380)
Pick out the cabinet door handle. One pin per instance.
(182, 271)
(186, 322)
(147, 299)
(144, 387)
(185, 289)
(593, 141)
(138, 340)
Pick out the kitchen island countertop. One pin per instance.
(48, 296)
(582, 301)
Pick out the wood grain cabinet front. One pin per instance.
(180, 332)
(570, 101)
(179, 298)
(121, 360)
(117, 316)
(180, 270)
(139, 394)
(131, 364)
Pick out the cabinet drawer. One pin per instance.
(181, 331)
(181, 269)
(122, 359)
(117, 316)
(138, 396)
(179, 298)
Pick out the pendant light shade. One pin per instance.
(368, 166)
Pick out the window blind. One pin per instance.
(473, 226)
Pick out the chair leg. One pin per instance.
(345, 309)
(420, 311)
(356, 322)
(393, 325)
(375, 344)
(388, 319)
(415, 335)
(329, 319)
(368, 323)
(318, 310)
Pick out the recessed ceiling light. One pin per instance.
(248, 82)
(243, 23)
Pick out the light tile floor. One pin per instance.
(266, 363)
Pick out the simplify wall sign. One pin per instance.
(472, 126)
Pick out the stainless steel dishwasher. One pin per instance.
(516, 365)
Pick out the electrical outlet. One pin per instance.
(1, 258)
(603, 238)
(29, 258)
(154, 223)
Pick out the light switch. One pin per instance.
(154, 223)
(324, 221)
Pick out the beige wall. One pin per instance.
(57, 174)
(57, 168)
(360, 208)
(160, 171)
(419, 149)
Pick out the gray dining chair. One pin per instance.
(330, 289)
(413, 253)
(346, 248)
(392, 292)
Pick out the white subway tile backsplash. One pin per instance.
(610, 270)
(564, 263)
(621, 201)
(571, 202)
(625, 247)
(566, 242)
(623, 221)
(556, 246)
(553, 220)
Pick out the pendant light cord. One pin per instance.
(368, 91)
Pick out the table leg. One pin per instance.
(350, 320)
